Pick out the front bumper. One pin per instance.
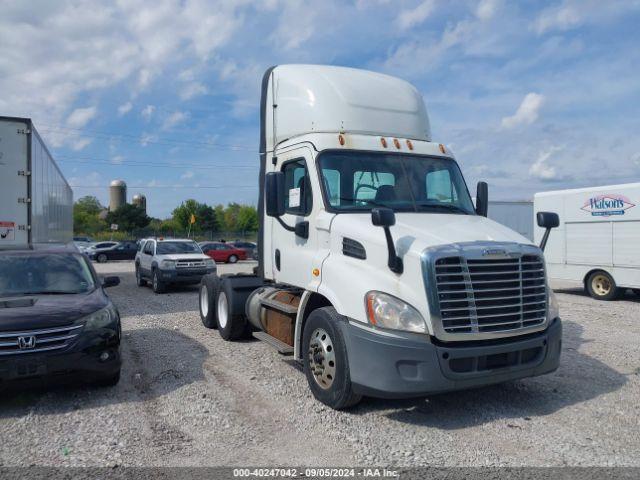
(80, 360)
(409, 365)
(185, 275)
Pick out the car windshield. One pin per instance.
(167, 248)
(356, 181)
(44, 274)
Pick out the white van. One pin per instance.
(598, 240)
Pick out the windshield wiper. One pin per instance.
(444, 206)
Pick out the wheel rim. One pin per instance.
(322, 358)
(223, 310)
(601, 285)
(155, 281)
(102, 258)
(233, 259)
(204, 301)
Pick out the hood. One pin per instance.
(413, 232)
(196, 257)
(44, 311)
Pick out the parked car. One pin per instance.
(248, 247)
(174, 261)
(56, 321)
(97, 246)
(120, 251)
(223, 252)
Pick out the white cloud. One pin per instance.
(409, 18)
(80, 144)
(147, 112)
(191, 90)
(541, 169)
(527, 112)
(187, 175)
(124, 108)
(147, 138)
(174, 119)
(81, 116)
(486, 9)
(117, 159)
(570, 14)
(562, 17)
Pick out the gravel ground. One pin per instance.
(187, 398)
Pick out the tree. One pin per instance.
(86, 215)
(182, 214)
(206, 220)
(247, 219)
(231, 217)
(128, 217)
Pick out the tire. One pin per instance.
(102, 258)
(232, 259)
(110, 381)
(232, 324)
(157, 284)
(636, 291)
(322, 341)
(207, 300)
(140, 281)
(601, 286)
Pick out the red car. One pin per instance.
(223, 252)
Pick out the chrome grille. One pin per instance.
(490, 295)
(43, 340)
(190, 263)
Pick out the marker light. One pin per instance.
(316, 272)
(383, 141)
(442, 149)
(341, 139)
(396, 142)
(409, 144)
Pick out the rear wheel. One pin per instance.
(602, 286)
(325, 360)
(157, 284)
(232, 259)
(141, 282)
(102, 258)
(232, 324)
(209, 287)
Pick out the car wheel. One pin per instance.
(232, 259)
(109, 381)
(157, 284)
(232, 323)
(102, 258)
(601, 286)
(325, 360)
(209, 287)
(636, 291)
(141, 282)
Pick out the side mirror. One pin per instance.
(482, 199)
(385, 218)
(274, 194)
(547, 220)
(110, 282)
(302, 229)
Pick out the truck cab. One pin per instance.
(376, 270)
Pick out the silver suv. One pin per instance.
(171, 261)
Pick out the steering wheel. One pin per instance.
(364, 185)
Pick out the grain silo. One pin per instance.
(117, 194)
(139, 200)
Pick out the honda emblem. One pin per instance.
(27, 343)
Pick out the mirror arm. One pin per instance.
(288, 228)
(395, 262)
(545, 237)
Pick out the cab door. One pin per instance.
(294, 256)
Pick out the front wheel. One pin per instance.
(601, 286)
(157, 284)
(141, 282)
(110, 381)
(636, 291)
(102, 258)
(232, 259)
(232, 323)
(325, 360)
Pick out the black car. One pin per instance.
(120, 251)
(56, 320)
(249, 247)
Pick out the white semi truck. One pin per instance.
(375, 270)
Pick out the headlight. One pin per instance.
(554, 307)
(389, 312)
(100, 319)
(168, 264)
(210, 263)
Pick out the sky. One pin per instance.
(530, 95)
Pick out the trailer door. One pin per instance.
(14, 184)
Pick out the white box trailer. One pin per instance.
(598, 240)
(517, 215)
(36, 202)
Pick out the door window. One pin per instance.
(298, 195)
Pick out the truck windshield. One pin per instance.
(356, 181)
(44, 274)
(167, 248)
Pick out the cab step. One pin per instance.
(279, 345)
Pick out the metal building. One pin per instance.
(139, 200)
(117, 194)
(517, 216)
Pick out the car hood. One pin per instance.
(185, 256)
(413, 232)
(44, 311)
